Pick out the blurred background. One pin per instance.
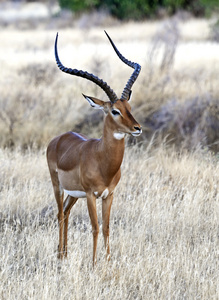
(164, 221)
(175, 98)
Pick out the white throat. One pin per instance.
(118, 135)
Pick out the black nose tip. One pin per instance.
(137, 128)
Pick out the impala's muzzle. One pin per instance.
(137, 132)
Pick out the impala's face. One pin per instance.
(121, 114)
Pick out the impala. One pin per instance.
(90, 168)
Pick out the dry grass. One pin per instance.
(164, 222)
(164, 231)
(178, 74)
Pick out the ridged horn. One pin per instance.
(127, 90)
(102, 84)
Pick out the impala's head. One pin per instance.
(119, 113)
(117, 109)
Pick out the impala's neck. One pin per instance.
(112, 145)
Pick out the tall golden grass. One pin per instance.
(164, 231)
(164, 221)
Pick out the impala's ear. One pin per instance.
(96, 103)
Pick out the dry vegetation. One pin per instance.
(164, 231)
(176, 95)
(164, 223)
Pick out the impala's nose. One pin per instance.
(138, 131)
(137, 128)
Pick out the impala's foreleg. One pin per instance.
(68, 204)
(106, 207)
(91, 204)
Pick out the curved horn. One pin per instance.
(127, 90)
(110, 93)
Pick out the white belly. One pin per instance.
(76, 194)
(81, 194)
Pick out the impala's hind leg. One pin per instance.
(68, 204)
(59, 194)
(61, 223)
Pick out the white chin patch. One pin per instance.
(118, 135)
(76, 194)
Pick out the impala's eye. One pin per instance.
(115, 112)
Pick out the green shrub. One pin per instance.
(140, 9)
(78, 5)
(128, 9)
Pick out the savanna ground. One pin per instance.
(164, 223)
